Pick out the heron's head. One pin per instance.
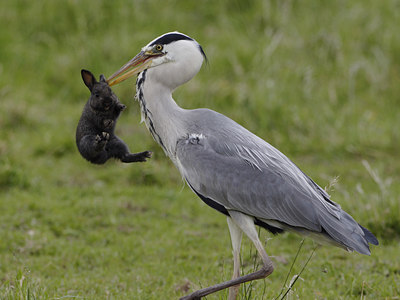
(172, 60)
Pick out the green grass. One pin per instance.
(317, 79)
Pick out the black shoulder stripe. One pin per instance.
(210, 202)
(222, 209)
(272, 229)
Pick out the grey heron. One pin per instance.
(228, 167)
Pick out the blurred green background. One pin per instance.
(319, 80)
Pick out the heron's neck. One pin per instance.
(163, 117)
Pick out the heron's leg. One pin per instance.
(236, 238)
(246, 224)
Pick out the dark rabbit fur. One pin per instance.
(95, 136)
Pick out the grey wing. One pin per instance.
(239, 171)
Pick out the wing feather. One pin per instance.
(242, 172)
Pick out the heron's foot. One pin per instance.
(264, 272)
(192, 296)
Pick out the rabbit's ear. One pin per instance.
(102, 78)
(88, 79)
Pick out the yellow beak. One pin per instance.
(136, 65)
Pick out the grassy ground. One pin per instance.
(319, 80)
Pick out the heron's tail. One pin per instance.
(348, 233)
(369, 236)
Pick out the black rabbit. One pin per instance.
(95, 136)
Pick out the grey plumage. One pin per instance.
(226, 163)
(223, 161)
(228, 167)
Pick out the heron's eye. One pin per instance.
(159, 47)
